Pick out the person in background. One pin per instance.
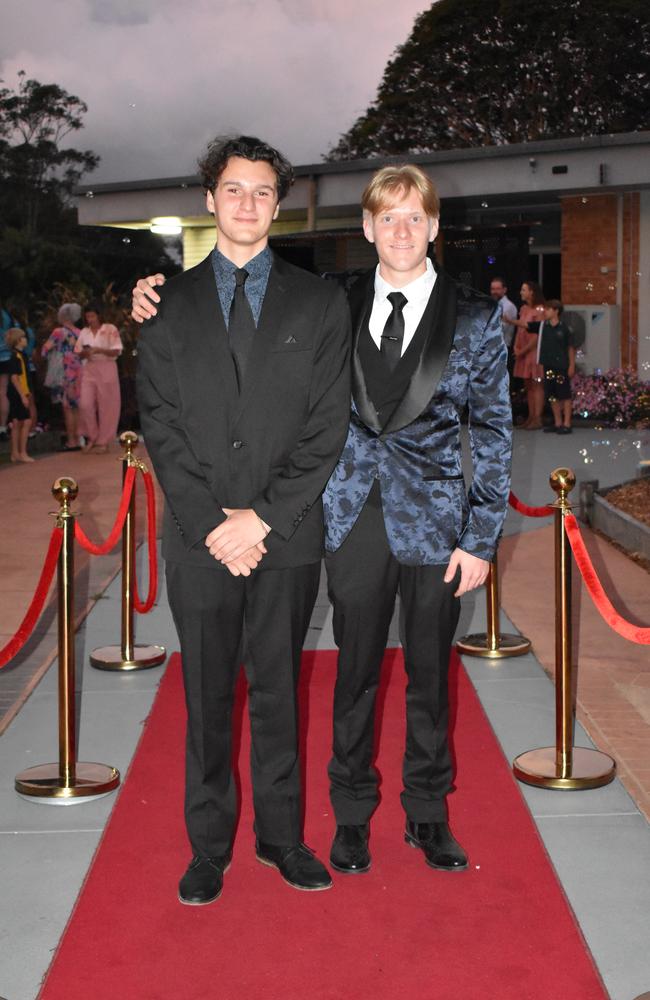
(34, 425)
(525, 352)
(557, 356)
(499, 292)
(99, 345)
(6, 323)
(19, 391)
(62, 341)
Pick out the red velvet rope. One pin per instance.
(527, 511)
(105, 548)
(33, 613)
(606, 609)
(142, 607)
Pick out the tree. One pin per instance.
(486, 72)
(38, 174)
(41, 244)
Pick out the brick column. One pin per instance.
(589, 246)
(630, 281)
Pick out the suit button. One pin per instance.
(237, 444)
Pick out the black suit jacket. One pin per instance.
(271, 448)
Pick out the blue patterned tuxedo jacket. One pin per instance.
(416, 456)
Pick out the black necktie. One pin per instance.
(393, 335)
(241, 325)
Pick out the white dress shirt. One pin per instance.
(417, 293)
(508, 311)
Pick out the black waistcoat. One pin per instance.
(386, 388)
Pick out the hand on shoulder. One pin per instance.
(144, 297)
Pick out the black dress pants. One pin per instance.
(213, 611)
(363, 580)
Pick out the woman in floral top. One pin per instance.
(64, 339)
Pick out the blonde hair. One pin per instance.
(400, 180)
(13, 335)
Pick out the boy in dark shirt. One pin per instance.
(18, 392)
(557, 354)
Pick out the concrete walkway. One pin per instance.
(598, 840)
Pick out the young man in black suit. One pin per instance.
(243, 388)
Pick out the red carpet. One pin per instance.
(500, 931)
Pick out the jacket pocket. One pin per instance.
(438, 479)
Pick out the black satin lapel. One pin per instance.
(206, 334)
(361, 297)
(273, 306)
(434, 357)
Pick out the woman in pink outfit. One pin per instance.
(99, 345)
(525, 352)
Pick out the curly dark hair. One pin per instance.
(219, 151)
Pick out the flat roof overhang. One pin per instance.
(516, 178)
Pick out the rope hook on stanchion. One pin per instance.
(70, 780)
(563, 766)
(493, 644)
(128, 656)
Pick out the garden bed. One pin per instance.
(622, 514)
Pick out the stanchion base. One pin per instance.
(478, 644)
(44, 782)
(110, 658)
(589, 769)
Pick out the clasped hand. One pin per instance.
(238, 542)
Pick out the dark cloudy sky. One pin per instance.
(161, 77)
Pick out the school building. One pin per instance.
(573, 214)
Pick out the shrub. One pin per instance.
(618, 398)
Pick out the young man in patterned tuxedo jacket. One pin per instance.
(397, 515)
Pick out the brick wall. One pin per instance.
(630, 280)
(589, 244)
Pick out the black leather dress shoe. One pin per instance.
(203, 881)
(296, 864)
(440, 848)
(349, 852)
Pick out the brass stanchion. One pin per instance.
(70, 780)
(493, 644)
(128, 656)
(563, 766)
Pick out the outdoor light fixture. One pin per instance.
(166, 225)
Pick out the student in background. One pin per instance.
(557, 355)
(18, 392)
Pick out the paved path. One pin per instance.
(599, 841)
